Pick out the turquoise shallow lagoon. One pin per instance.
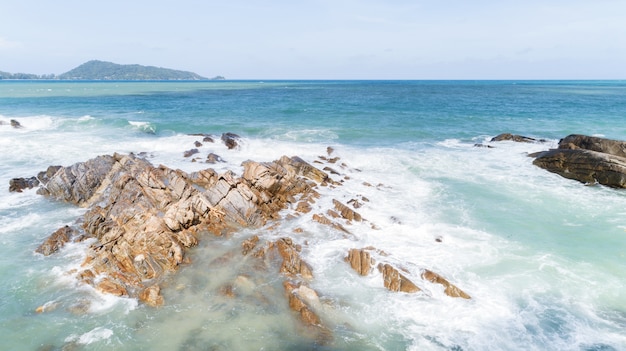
(543, 257)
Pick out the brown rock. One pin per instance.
(107, 286)
(307, 315)
(360, 261)
(347, 212)
(151, 296)
(395, 281)
(292, 263)
(303, 207)
(450, 289)
(56, 241)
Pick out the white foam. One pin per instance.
(145, 127)
(95, 335)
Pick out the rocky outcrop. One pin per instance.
(587, 159)
(144, 218)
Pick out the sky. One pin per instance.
(322, 39)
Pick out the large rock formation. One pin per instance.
(587, 159)
(145, 217)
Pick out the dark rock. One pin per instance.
(213, 158)
(513, 137)
(607, 146)
(585, 166)
(16, 124)
(587, 159)
(197, 144)
(19, 184)
(190, 152)
(230, 140)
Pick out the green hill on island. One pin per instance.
(102, 70)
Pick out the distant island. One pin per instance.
(102, 70)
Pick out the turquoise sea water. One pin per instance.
(544, 258)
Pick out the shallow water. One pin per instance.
(541, 256)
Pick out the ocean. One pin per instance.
(543, 257)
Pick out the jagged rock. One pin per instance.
(230, 140)
(513, 137)
(347, 212)
(56, 241)
(15, 124)
(587, 159)
(19, 184)
(450, 289)
(78, 183)
(395, 281)
(360, 261)
(292, 263)
(145, 217)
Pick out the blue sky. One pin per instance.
(323, 39)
